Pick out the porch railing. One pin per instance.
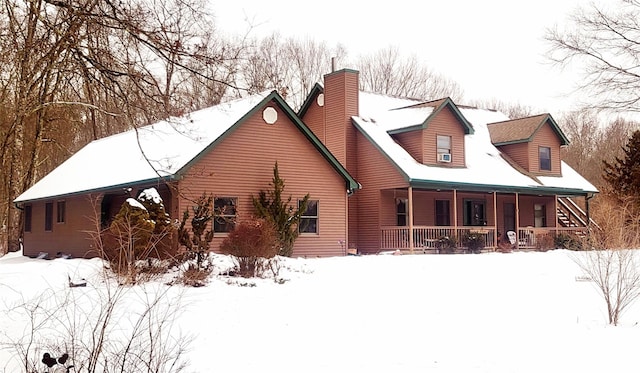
(425, 237)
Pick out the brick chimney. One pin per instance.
(341, 95)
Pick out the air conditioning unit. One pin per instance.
(444, 157)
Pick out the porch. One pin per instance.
(425, 238)
(422, 217)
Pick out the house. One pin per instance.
(422, 170)
(436, 169)
(228, 150)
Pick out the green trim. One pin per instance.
(351, 183)
(468, 128)
(377, 146)
(471, 187)
(315, 91)
(99, 190)
(554, 126)
(397, 131)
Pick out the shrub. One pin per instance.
(446, 244)
(474, 242)
(285, 218)
(250, 243)
(544, 242)
(568, 242)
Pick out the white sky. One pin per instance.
(493, 48)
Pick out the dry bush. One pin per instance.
(544, 242)
(612, 262)
(250, 243)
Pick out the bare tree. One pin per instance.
(593, 140)
(512, 110)
(388, 72)
(291, 66)
(73, 71)
(604, 43)
(613, 263)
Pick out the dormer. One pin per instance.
(533, 143)
(438, 140)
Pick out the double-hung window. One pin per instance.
(224, 211)
(309, 219)
(544, 155)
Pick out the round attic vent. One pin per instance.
(320, 100)
(270, 115)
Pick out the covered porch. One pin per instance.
(414, 220)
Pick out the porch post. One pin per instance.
(455, 212)
(410, 213)
(517, 220)
(495, 219)
(555, 209)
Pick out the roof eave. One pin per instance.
(472, 187)
(97, 190)
(468, 128)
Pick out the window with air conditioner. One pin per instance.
(443, 148)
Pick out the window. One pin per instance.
(224, 211)
(474, 212)
(401, 212)
(28, 213)
(309, 218)
(443, 145)
(60, 209)
(544, 153)
(442, 212)
(539, 215)
(48, 216)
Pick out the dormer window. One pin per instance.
(443, 146)
(544, 155)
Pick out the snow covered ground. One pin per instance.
(516, 312)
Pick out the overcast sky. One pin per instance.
(493, 48)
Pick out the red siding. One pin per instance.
(519, 153)
(376, 173)
(445, 123)
(548, 138)
(242, 164)
(412, 142)
(314, 119)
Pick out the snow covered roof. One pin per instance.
(159, 150)
(486, 167)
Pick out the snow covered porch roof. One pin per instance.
(161, 151)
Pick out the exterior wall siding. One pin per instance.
(70, 237)
(378, 178)
(412, 142)
(242, 164)
(445, 123)
(545, 137)
(314, 119)
(74, 236)
(519, 153)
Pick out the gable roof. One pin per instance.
(315, 91)
(521, 130)
(437, 106)
(163, 150)
(486, 167)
